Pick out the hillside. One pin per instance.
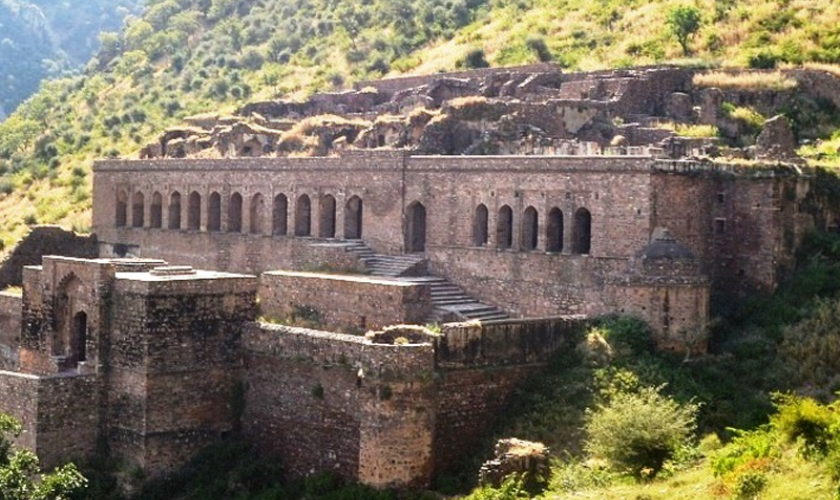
(49, 38)
(189, 56)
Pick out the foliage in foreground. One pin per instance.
(21, 477)
(638, 432)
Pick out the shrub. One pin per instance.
(537, 44)
(474, 58)
(763, 60)
(816, 425)
(811, 347)
(639, 432)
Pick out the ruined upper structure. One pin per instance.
(525, 110)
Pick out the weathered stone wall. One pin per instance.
(68, 420)
(59, 414)
(677, 313)
(345, 302)
(479, 367)
(743, 226)
(336, 402)
(175, 363)
(393, 85)
(41, 241)
(19, 398)
(54, 294)
(373, 177)
(10, 325)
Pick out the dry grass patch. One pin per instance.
(745, 80)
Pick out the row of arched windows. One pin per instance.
(257, 220)
(529, 229)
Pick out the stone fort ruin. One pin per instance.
(507, 205)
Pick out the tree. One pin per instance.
(684, 21)
(21, 477)
(639, 432)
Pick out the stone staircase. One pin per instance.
(449, 301)
(387, 266)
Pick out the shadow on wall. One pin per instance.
(41, 241)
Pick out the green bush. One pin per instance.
(473, 59)
(639, 432)
(803, 419)
(746, 447)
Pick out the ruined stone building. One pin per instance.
(526, 199)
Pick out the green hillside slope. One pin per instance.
(187, 56)
(48, 38)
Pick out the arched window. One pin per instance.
(554, 231)
(175, 210)
(122, 208)
(504, 228)
(530, 231)
(235, 213)
(194, 212)
(257, 214)
(479, 228)
(279, 215)
(214, 212)
(78, 338)
(303, 216)
(326, 211)
(582, 232)
(353, 212)
(138, 204)
(156, 211)
(415, 229)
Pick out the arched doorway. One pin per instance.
(303, 216)
(326, 211)
(214, 212)
(353, 212)
(415, 228)
(554, 231)
(480, 225)
(582, 232)
(257, 211)
(504, 228)
(156, 211)
(279, 215)
(530, 232)
(175, 210)
(122, 208)
(138, 204)
(194, 212)
(235, 213)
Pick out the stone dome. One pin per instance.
(664, 246)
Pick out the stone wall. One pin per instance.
(19, 398)
(175, 363)
(10, 325)
(479, 367)
(41, 241)
(393, 85)
(345, 302)
(372, 177)
(68, 420)
(744, 226)
(335, 402)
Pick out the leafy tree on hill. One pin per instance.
(683, 22)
